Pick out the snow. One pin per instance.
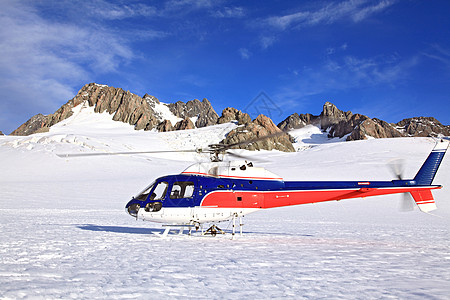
(310, 136)
(163, 113)
(65, 233)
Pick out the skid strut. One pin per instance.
(234, 226)
(213, 230)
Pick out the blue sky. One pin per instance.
(383, 58)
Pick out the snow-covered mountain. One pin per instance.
(65, 233)
(148, 113)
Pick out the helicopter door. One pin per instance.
(159, 192)
(182, 193)
(157, 197)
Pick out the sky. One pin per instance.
(388, 59)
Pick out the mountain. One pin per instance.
(340, 124)
(148, 113)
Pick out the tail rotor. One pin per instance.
(397, 167)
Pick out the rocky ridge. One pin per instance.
(340, 124)
(147, 113)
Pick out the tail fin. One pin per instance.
(424, 200)
(423, 197)
(429, 169)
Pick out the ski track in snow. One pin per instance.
(65, 234)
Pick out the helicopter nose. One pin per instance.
(133, 209)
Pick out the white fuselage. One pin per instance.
(190, 215)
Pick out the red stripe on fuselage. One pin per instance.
(269, 199)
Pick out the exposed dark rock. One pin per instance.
(203, 110)
(422, 126)
(359, 127)
(354, 126)
(36, 124)
(260, 127)
(184, 124)
(145, 113)
(331, 115)
(1, 133)
(126, 107)
(296, 121)
(230, 114)
(165, 126)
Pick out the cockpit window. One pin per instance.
(160, 191)
(182, 189)
(142, 196)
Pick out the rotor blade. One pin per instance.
(245, 157)
(63, 155)
(229, 146)
(407, 203)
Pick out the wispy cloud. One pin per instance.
(266, 41)
(113, 11)
(244, 53)
(351, 10)
(40, 54)
(186, 6)
(346, 73)
(440, 54)
(230, 12)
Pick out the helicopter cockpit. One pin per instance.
(171, 190)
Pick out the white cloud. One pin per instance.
(440, 54)
(354, 10)
(244, 53)
(111, 11)
(365, 12)
(40, 54)
(189, 5)
(230, 12)
(267, 41)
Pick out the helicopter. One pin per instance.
(216, 191)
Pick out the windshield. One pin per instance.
(143, 195)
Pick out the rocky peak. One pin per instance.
(203, 111)
(36, 124)
(230, 114)
(125, 106)
(358, 127)
(151, 99)
(296, 121)
(260, 127)
(422, 126)
(331, 115)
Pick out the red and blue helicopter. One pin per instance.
(226, 190)
(219, 191)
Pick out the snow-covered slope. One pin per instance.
(65, 233)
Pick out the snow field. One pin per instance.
(65, 233)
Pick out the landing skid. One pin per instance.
(213, 230)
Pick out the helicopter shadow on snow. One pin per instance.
(148, 231)
(119, 229)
